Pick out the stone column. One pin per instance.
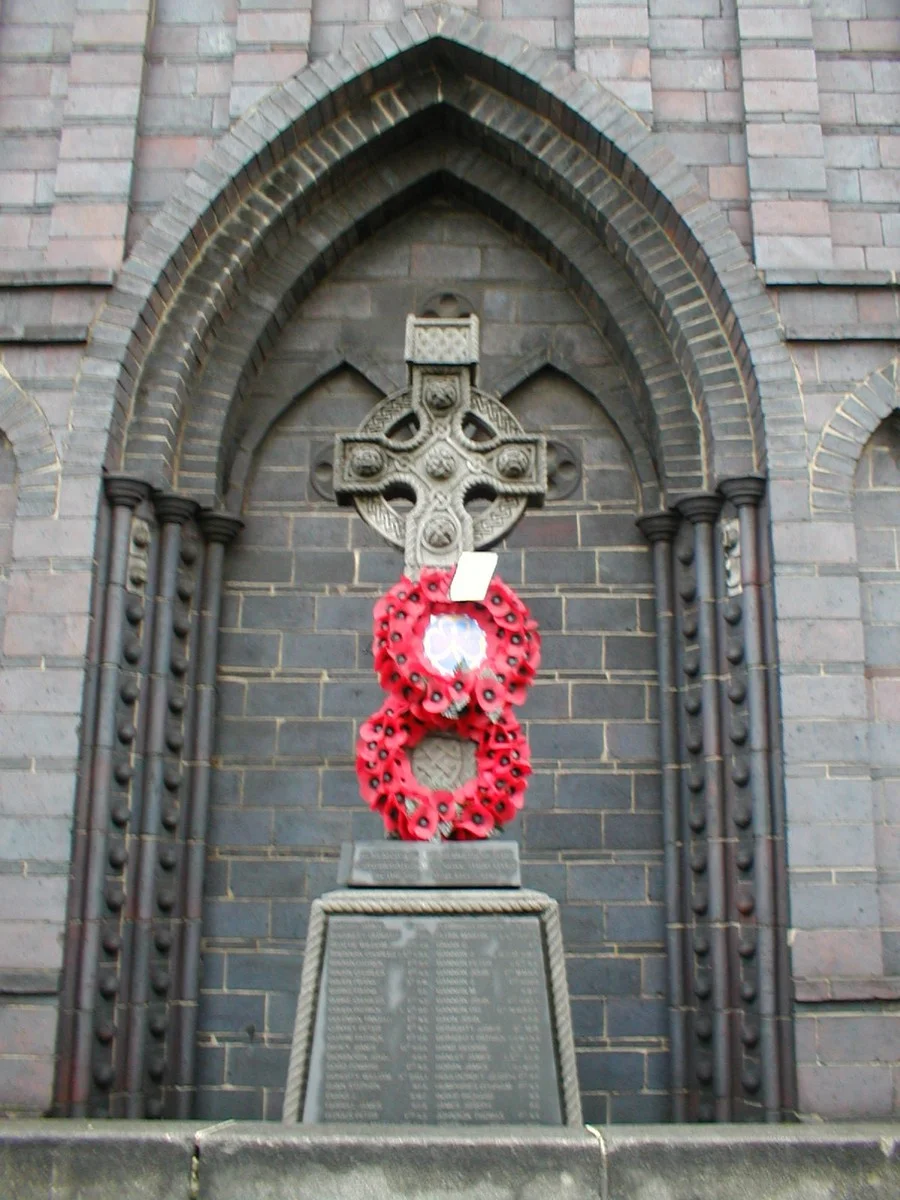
(218, 529)
(660, 529)
(755, 863)
(150, 907)
(702, 511)
(107, 757)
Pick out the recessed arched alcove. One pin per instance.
(295, 677)
(247, 310)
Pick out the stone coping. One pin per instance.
(140, 1160)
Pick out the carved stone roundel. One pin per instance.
(367, 461)
(513, 462)
(437, 458)
(440, 394)
(444, 763)
(440, 532)
(440, 467)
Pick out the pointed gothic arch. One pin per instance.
(846, 435)
(560, 128)
(440, 101)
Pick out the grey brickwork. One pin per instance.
(787, 117)
(41, 646)
(785, 159)
(836, 682)
(296, 679)
(859, 85)
(612, 45)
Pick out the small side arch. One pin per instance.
(628, 427)
(235, 480)
(845, 437)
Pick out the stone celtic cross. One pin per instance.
(454, 454)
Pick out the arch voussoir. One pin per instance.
(633, 335)
(842, 441)
(546, 121)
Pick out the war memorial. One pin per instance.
(449, 599)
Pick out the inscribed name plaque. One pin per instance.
(433, 1009)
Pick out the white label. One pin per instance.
(473, 575)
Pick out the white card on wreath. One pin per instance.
(473, 575)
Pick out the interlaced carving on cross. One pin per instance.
(454, 455)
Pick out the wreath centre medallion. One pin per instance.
(454, 643)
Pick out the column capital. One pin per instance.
(174, 509)
(218, 526)
(125, 491)
(744, 489)
(659, 526)
(700, 508)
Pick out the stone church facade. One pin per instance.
(678, 226)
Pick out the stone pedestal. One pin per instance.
(423, 1004)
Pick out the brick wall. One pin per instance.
(727, 85)
(810, 93)
(35, 43)
(858, 73)
(186, 105)
(45, 552)
(697, 100)
(838, 660)
(8, 497)
(296, 678)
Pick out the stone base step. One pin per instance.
(137, 1160)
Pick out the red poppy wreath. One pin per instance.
(443, 656)
(452, 669)
(414, 812)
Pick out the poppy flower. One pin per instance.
(490, 694)
(438, 696)
(497, 601)
(423, 821)
(444, 805)
(394, 817)
(434, 584)
(476, 819)
(502, 808)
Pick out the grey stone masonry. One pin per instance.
(612, 46)
(92, 192)
(271, 44)
(181, 199)
(246, 1161)
(785, 152)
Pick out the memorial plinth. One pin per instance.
(430, 865)
(423, 1004)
